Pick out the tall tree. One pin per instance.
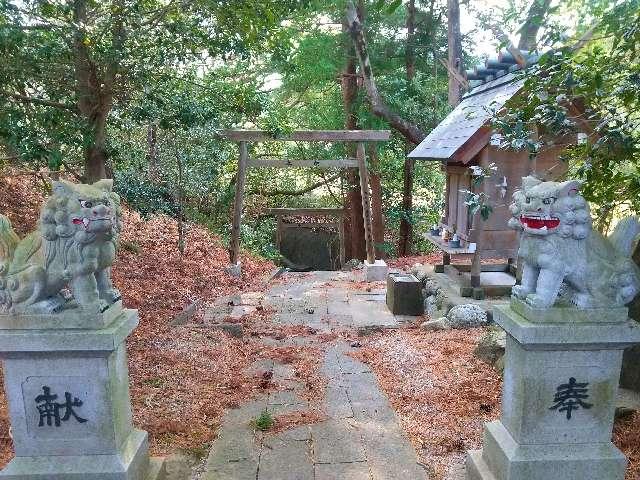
(355, 247)
(406, 221)
(379, 107)
(454, 38)
(83, 58)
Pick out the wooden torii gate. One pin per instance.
(244, 137)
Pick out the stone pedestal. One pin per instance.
(404, 294)
(69, 404)
(375, 272)
(235, 270)
(560, 381)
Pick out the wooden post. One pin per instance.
(366, 202)
(341, 236)
(279, 231)
(234, 248)
(476, 263)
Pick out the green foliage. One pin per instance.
(185, 73)
(601, 83)
(143, 195)
(263, 422)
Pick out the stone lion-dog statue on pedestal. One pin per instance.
(74, 247)
(562, 254)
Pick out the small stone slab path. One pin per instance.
(360, 438)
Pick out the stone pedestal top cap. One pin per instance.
(571, 335)
(70, 340)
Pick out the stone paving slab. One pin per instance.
(337, 441)
(360, 439)
(283, 459)
(343, 471)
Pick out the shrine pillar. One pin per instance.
(562, 368)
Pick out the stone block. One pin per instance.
(336, 441)
(404, 294)
(559, 397)
(71, 318)
(478, 293)
(131, 463)
(375, 272)
(531, 380)
(502, 458)
(68, 396)
(343, 471)
(235, 270)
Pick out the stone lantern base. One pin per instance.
(562, 368)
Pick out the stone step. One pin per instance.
(156, 469)
(477, 469)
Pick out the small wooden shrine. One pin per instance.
(465, 139)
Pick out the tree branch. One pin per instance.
(378, 106)
(38, 101)
(511, 48)
(529, 31)
(295, 192)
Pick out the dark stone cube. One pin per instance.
(404, 294)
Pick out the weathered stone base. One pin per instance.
(375, 272)
(235, 270)
(132, 464)
(503, 459)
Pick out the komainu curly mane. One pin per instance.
(562, 253)
(74, 247)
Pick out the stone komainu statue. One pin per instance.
(74, 247)
(563, 255)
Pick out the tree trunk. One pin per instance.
(95, 160)
(152, 153)
(379, 108)
(406, 225)
(455, 49)
(376, 201)
(354, 228)
(529, 31)
(95, 85)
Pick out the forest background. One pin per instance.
(138, 90)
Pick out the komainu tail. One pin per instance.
(625, 235)
(8, 243)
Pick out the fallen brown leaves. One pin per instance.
(20, 200)
(626, 436)
(442, 393)
(405, 263)
(182, 378)
(298, 418)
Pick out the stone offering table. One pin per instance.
(562, 368)
(68, 393)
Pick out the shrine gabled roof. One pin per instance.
(465, 131)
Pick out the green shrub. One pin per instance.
(143, 195)
(264, 422)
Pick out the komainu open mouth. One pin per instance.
(539, 222)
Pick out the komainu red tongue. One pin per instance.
(77, 221)
(538, 223)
